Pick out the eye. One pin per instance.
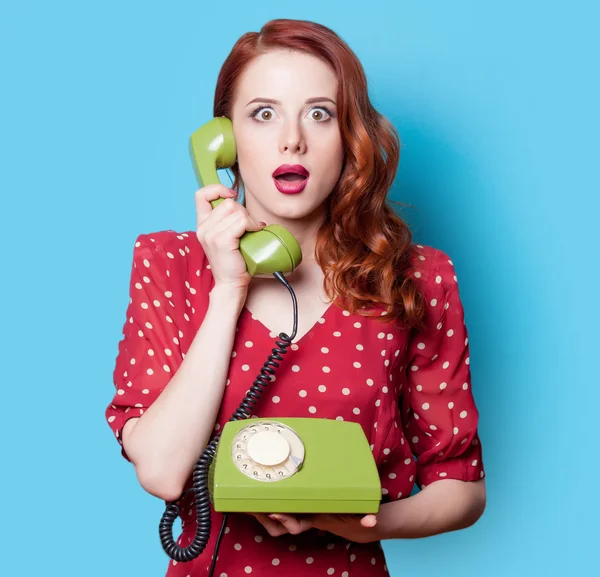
(320, 114)
(263, 113)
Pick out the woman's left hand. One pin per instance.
(359, 529)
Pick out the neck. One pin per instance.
(303, 229)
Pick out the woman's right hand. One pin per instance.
(219, 231)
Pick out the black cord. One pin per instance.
(200, 473)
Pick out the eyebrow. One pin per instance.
(308, 101)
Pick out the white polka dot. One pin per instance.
(474, 463)
(438, 279)
(326, 369)
(414, 368)
(352, 557)
(276, 399)
(465, 386)
(433, 427)
(292, 547)
(145, 391)
(392, 475)
(144, 305)
(295, 368)
(237, 547)
(148, 325)
(425, 406)
(433, 302)
(450, 405)
(322, 388)
(337, 334)
(150, 371)
(248, 569)
(370, 382)
(330, 571)
(421, 346)
(356, 365)
(450, 333)
(357, 325)
(373, 560)
(275, 562)
(386, 451)
(302, 393)
(443, 474)
(258, 539)
(309, 560)
(167, 368)
(463, 414)
(384, 389)
(245, 367)
(455, 430)
(443, 386)
(324, 350)
(356, 411)
(312, 410)
(446, 365)
(359, 347)
(122, 392)
(380, 335)
(417, 274)
(249, 344)
(407, 461)
(468, 361)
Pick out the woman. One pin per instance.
(381, 337)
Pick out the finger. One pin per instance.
(294, 525)
(273, 527)
(227, 231)
(205, 195)
(368, 521)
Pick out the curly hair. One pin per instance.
(363, 247)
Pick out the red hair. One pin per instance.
(363, 247)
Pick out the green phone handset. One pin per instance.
(282, 465)
(272, 249)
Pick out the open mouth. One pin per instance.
(291, 177)
(290, 182)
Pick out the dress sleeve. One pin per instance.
(439, 415)
(149, 351)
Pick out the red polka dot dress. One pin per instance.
(409, 390)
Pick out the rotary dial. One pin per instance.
(267, 451)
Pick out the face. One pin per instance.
(284, 113)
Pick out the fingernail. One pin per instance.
(262, 223)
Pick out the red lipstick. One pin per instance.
(290, 178)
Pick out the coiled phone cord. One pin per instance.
(201, 469)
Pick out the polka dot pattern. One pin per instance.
(411, 393)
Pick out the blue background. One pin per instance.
(496, 107)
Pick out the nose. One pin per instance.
(292, 139)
